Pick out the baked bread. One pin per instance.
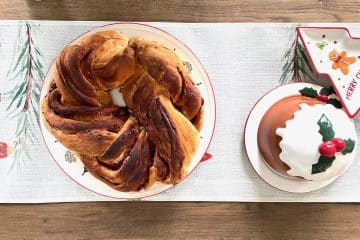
(129, 148)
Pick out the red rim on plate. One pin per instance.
(254, 156)
(207, 78)
(332, 81)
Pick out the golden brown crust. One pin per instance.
(198, 120)
(167, 128)
(168, 71)
(95, 136)
(66, 96)
(132, 173)
(129, 148)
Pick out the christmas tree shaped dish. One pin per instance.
(334, 53)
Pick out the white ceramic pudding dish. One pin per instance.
(304, 140)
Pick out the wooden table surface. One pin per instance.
(185, 220)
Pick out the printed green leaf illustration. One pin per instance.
(326, 129)
(308, 92)
(84, 171)
(321, 45)
(322, 165)
(336, 103)
(188, 66)
(27, 71)
(327, 91)
(70, 157)
(350, 145)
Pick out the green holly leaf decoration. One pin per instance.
(326, 129)
(308, 92)
(321, 45)
(327, 91)
(350, 145)
(336, 103)
(84, 171)
(322, 165)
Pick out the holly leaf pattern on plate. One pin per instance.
(84, 171)
(326, 130)
(322, 165)
(336, 103)
(350, 145)
(327, 91)
(308, 92)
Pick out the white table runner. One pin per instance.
(244, 61)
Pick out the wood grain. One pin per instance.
(185, 11)
(139, 220)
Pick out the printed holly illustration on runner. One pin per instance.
(340, 60)
(323, 95)
(26, 71)
(5, 150)
(330, 146)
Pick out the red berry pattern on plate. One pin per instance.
(330, 145)
(327, 149)
(339, 143)
(323, 98)
(206, 157)
(323, 95)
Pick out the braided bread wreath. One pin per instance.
(121, 99)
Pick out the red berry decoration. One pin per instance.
(323, 98)
(339, 143)
(3, 150)
(327, 149)
(206, 157)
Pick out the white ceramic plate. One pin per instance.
(319, 42)
(252, 149)
(73, 166)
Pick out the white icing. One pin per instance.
(117, 97)
(301, 140)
